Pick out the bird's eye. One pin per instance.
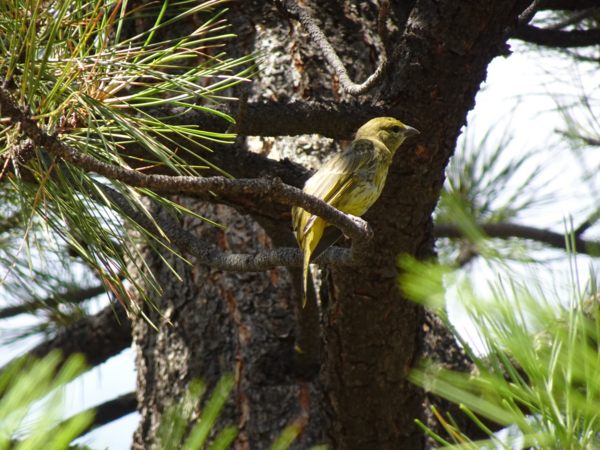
(396, 129)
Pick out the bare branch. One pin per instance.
(324, 117)
(527, 15)
(73, 296)
(558, 38)
(574, 18)
(336, 120)
(588, 223)
(569, 5)
(510, 230)
(382, 28)
(111, 410)
(98, 337)
(214, 257)
(294, 11)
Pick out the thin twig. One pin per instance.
(588, 223)
(525, 17)
(294, 11)
(510, 230)
(573, 19)
(53, 301)
(382, 28)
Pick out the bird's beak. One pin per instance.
(410, 131)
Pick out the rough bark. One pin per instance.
(373, 333)
(246, 323)
(225, 322)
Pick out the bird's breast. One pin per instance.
(369, 182)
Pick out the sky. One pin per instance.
(520, 96)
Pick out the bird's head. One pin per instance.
(388, 130)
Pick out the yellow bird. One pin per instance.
(351, 181)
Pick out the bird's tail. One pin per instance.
(305, 266)
(309, 242)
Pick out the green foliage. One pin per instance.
(27, 384)
(174, 422)
(34, 261)
(485, 185)
(177, 416)
(22, 384)
(85, 73)
(540, 373)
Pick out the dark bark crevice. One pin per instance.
(372, 334)
(371, 329)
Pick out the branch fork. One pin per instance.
(291, 9)
(355, 228)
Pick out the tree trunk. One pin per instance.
(349, 389)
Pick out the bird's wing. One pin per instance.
(339, 174)
(330, 236)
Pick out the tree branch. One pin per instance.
(111, 410)
(258, 262)
(509, 230)
(327, 118)
(524, 18)
(588, 223)
(569, 5)
(324, 117)
(98, 337)
(294, 11)
(573, 19)
(558, 38)
(275, 190)
(73, 296)
(336, 120)
(527, 15)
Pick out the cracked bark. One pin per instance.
(245, 322)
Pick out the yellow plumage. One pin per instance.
(351, 181)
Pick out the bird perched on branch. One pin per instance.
(351, 181)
